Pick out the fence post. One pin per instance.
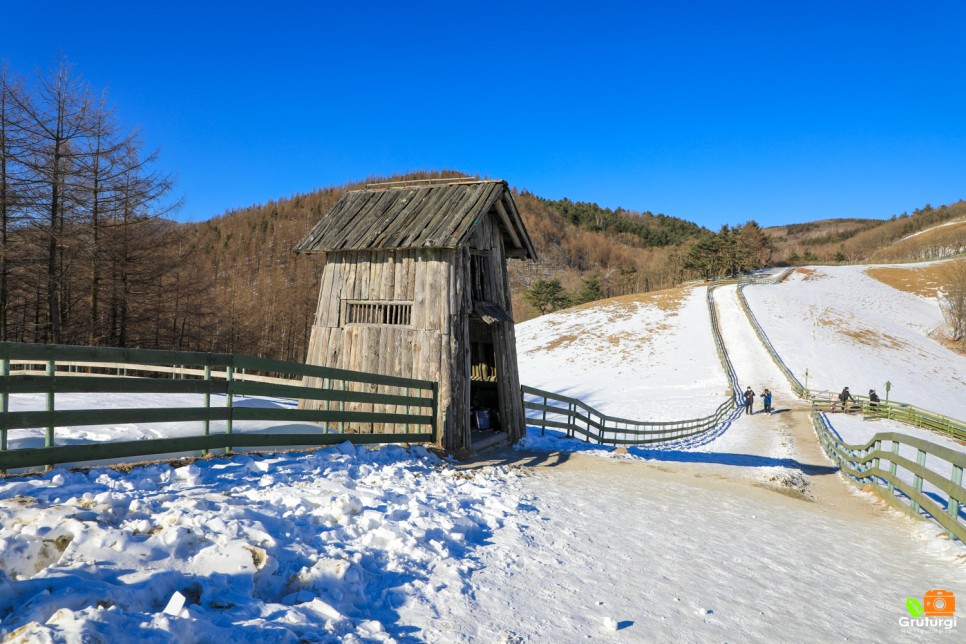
(229, 403)
(876, 446)
(406, 425)
(342, 408)
(49, 436)
(957, 479)
(892, 468)
(435, 411)
(917, 481)
(204, 452)
(543, 427)
(4, 403)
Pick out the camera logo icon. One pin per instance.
(939, 603)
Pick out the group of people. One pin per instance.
(845, 396)
(749, 397)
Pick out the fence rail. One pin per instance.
(826, 401)
(862, 463)
(905, 413)
(865, 465)
(578, 418)
(354, 405)
(720, 346)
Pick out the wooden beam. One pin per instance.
(505, 218)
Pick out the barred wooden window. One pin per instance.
(394, 313)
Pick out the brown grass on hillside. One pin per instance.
(811, 274)
(619, 308)
(560, 341)
(921, 280)
(669, 300)
(943, 240)
(863, 335)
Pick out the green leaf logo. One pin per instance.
(914, 606)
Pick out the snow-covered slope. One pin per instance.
(743, 534)
(644, 357)
(848, 329)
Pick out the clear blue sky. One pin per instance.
(717, 112)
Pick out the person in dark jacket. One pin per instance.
(873, 399)
(749, 397)
(844, 398)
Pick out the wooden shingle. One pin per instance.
(424, 216)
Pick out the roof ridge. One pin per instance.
(438, 181)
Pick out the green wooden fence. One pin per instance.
(872, 464)
(360, 407)
(863, 463)
(578, 418)
(903, 412)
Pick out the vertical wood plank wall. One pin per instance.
(436, 345)
(423, 277)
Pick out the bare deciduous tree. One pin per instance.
(57, 120)
(953, 300)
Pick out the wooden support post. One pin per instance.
(892, 468)
(49, 436)
(406, 426)
(204, 452)
(875, 448)
(543, 427)
(342, 408)
(917, 480)
(957, 479)
(229, 403)
(4, 403)
(436, 436)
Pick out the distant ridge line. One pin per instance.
(383, 185)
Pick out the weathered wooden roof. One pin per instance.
(425, 216)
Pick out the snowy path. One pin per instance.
(750, 359)
(642, 562)
(356, 545)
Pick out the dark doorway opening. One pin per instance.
(486, 414)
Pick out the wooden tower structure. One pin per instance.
(415, 285)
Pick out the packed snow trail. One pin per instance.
(749, 358)
(618, 549)
(355, 545)
(785, 439)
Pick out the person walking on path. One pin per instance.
(873, 399)
(766, 400)
(749, 397)
(844, 398)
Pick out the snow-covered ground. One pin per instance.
(349, 544)
(643, 357)
(849, 329)
(743, 534)
(19, 438)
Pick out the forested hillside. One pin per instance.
(89, 253)
(857, 240)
